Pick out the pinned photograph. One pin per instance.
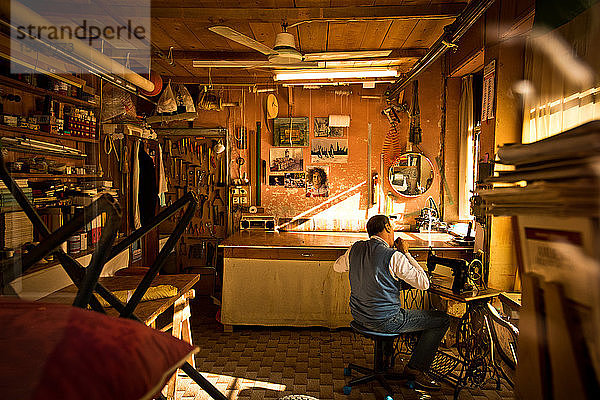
(336, 131)
(294, 180)
(286, 159)
(276, 180)
(317, 181)
(329, 150)
(321, 126)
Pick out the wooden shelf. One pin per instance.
(37, 134)
(42, 152)
(5, 80)
(34, 175)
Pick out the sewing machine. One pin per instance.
(428, 220)
(459, 270)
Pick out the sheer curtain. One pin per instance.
(562, 68)
(465, 128)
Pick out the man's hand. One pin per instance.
(400, 245)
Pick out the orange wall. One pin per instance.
(348, 198)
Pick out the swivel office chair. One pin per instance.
(381, 365)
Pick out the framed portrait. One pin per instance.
(290, 132)
(317, 181)
(286, 159)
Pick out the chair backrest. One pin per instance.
(504, 337)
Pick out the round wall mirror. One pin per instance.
(411, 174)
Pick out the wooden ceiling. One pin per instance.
(409, 27)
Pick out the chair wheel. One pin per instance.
(347, 371)
(388, 397)
(347, 389)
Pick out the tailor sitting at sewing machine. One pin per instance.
(377, 268)
(459, 271)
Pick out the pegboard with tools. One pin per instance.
(197, 164)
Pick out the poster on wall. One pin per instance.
(329, 150)
(487, 102)
(286, 159)
(321, 126)
(294, 180)
(290, 131)
(317, 181)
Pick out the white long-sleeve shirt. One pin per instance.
(402, 267)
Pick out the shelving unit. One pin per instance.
(53, 212)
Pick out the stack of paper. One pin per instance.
(557, 176)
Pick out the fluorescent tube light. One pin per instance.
(337, 74)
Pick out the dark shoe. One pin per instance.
(421, 379)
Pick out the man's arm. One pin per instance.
(404, 266)
(342, 264)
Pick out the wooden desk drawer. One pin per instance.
(279, 253)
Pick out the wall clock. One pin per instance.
(272, 106)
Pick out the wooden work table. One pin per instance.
(333, 240)
(287, 278)
(147, 311)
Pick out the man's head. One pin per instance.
(379, 225)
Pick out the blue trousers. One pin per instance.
(432, 326)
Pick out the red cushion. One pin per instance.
(51, 351)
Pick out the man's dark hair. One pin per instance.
(376, 224)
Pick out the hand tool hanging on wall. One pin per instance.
(221, 172)
(216, 202)
(202, 199)
(414, 133)
(209, 225)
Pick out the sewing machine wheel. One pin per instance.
(474, 272)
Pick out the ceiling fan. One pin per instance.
(283, 54)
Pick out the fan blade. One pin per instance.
(249, 64)
(242, 39)
(345, 55)
(226, 64)
(384, 62)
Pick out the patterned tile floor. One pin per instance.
(268, 363)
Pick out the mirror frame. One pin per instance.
(395, 164)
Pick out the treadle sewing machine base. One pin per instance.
(473, 366)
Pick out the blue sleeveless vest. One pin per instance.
(375, 294)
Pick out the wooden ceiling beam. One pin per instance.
(181, 55)
(297, 14)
